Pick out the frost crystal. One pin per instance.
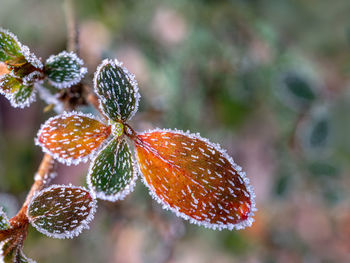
(117, 89)
(19, 94)
(4, 222)
(62, 211)
(10, 253)
(64, 70)
(13, 53)
(113, 173)
(195, 179)
(72, 137)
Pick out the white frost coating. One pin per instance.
(32, 77)
(77, 77)
(4, 220)
(2, 243)
(83, 224)
(69, 161)
(123, 193)
(26, 103)
(49, 98)
(246, 223)
(12, 96)
(18, 251)
(131, 77)
(30, 57)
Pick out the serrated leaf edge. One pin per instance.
(83, 225)
(246, 223)
(127, 189)
(133, 81)
(69, 161)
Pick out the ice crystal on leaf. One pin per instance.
(64, 70)
(12, 253)
(16, 91)
(72, 137)
(113, 173)
(26, 71)
(4, 222)
(187, 174)
(14, 54)
(195, 178)
(61, 211)
(117, 89)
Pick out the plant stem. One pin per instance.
(72, 32)
(43, 176)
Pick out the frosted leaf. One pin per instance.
(14, 54)
(61, 211)
(10, 49)
(112, 174)
(12, 253)
(117, 90)
(72, 137)
(4, 222)
(32, 78)
(19, 94)
(64, 70)
(195, 179)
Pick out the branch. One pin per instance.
(72, 32)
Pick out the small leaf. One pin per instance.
(19, 94)
(13, 53)
(112, 174)
(315, 133)
(4, 222)
(61, 211)
(12, 253)
(117, 89)
(195, 179)
(72, 137)
(10, 49)
(64, 70)
(297, 91)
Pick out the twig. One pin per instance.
(43, 176)
(72, 32)
(19, 223)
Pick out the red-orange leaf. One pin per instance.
(195, 178)
(72, 137)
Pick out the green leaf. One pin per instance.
(112, 174)
(19, 94)
(117, 89)
(10, 49)
(64, 70)
(315, 133)
(61, 211)
(299, 87)
(4, 222)
(14, 54)
(12, 253)
(297, 91)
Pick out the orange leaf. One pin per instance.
(195, 178)
(72, 137)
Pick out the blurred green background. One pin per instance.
(268, 80)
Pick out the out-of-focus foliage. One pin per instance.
(268, 80)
